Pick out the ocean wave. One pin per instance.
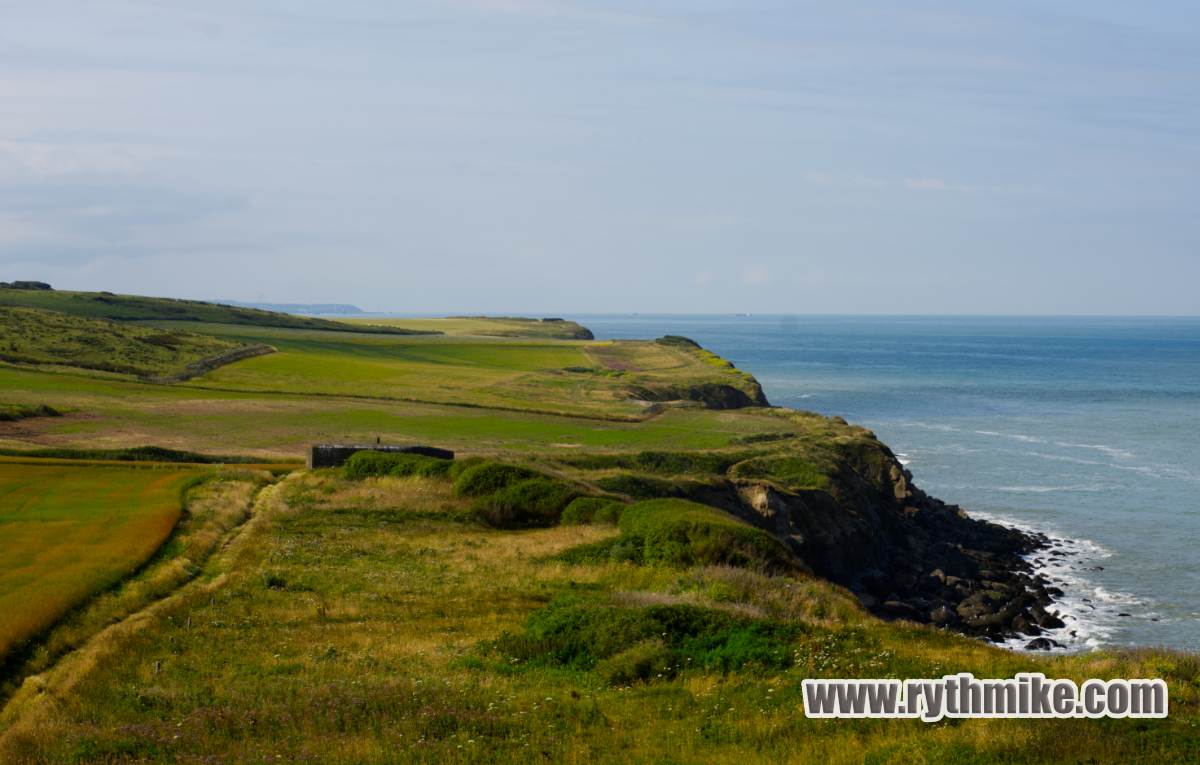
(1119, 453)
(1011, 435)
(1085, 487)
(1091, 611)
(1135, 468)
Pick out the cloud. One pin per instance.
(756, 276)
(703, 277)
(848, 181)
(929, 184)
(42, 160)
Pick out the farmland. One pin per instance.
(67, 533)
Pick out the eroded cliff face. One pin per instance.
(904, 553)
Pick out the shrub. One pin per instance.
(681, 533)
(489, 477)
(372, 463)
(678, 341)
(650, 658)
(626, 645)
(592, 510)
(461, 466)
(535, 502)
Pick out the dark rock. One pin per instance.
(868, 600)
(1055, 592)
(1040, 644)
(1021, 624)
(1123, 614)
(896, 609)
(944, 617)
(1051, 622)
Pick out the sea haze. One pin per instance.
(1084, 428)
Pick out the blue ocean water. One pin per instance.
(1085, 428)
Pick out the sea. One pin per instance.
(1086, 429)
(1083, 428)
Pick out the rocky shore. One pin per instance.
(910, 556)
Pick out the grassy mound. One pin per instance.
(679, 533)
(592, 510)
(537, 502)
(490, 477)
(368, 463)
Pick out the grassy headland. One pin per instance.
(598, 577)
(105, 305)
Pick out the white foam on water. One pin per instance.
(1089, 610)
(1119, 453)
(1011, 435)
(1083, 487)
(900, 457)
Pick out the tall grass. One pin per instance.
(364, 622)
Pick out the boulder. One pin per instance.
(1051, 622)
(944, 617)
(1023, 625)
(1041, 644)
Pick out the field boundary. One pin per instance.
(65, 462)
(209, 363)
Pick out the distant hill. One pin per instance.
(296, 307)
(106, 305)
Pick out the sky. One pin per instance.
(543, 157)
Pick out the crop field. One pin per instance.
(68, 532)
(372, 621)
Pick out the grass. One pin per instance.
(104, 305)
(67, 533)
(31, 336)
(372, 622)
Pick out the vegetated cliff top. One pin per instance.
(488, 326)
(106, 305)
(34, 336)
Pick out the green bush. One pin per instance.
(592, 510)
(646, 660)
(369, 463)
(627, 645)
(490, 477)
(461, 466)
(536, 502)
(622, 548)
(681, 533)
(678, 341)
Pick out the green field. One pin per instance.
(114, 414)
(67, 533)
